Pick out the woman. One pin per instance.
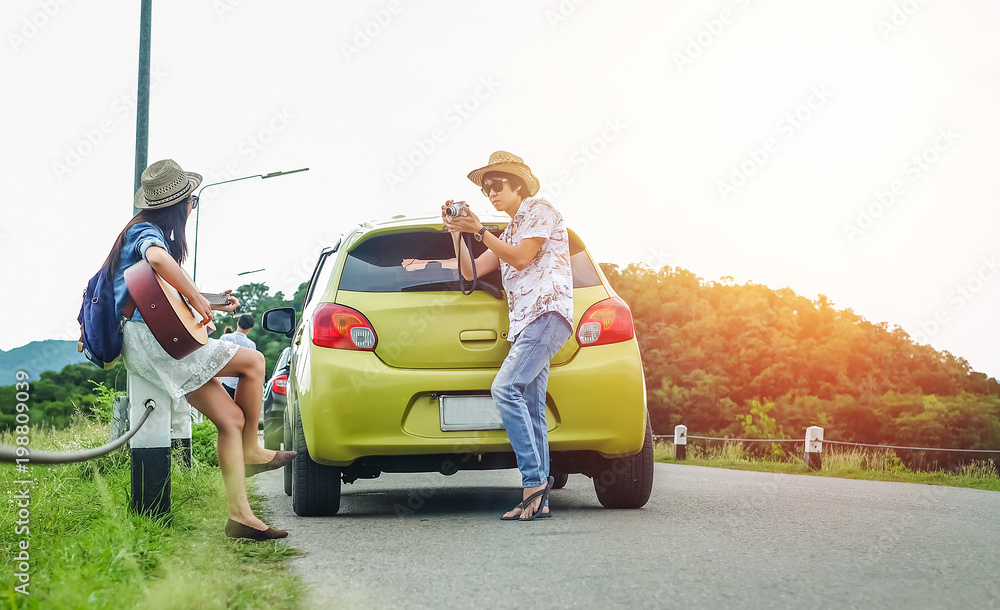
(165, 200)
(533, 257)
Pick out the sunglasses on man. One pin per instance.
(493, 185)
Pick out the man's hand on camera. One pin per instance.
(461, 224)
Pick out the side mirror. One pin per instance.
(280, 320)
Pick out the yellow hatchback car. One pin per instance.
(393, 359)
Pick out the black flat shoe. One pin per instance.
(235, 529)
(280, 459)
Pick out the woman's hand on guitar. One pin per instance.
(231, 306)
(202, 306)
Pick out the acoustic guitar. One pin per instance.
(173, 322)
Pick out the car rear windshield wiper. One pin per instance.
(486, 287)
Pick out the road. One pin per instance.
(709, 538)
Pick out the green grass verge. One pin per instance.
(87, 548)
(872, 465)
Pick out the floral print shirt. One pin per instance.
(546, 284)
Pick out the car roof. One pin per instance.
(492, 219)
(403, 221)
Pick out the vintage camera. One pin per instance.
(456, 209)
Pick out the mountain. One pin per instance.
(37, 357)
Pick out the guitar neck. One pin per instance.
(216, 298)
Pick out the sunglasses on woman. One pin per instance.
(493, 185)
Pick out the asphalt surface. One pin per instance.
(708, 538)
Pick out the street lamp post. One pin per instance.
(197, 215)
(142, 95)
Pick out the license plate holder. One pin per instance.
(469, 412)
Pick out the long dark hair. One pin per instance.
(170, 220)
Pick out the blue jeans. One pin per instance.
(519, 392)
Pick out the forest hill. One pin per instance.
(710, 349)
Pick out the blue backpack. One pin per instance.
(100, 325)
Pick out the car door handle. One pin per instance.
(471, 336)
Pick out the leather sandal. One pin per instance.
(280, 459)
(235, 529)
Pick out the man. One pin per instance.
(533, 257)
(239, 338)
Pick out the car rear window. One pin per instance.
(425, 261)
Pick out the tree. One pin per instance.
(710, 349)
(255, 299)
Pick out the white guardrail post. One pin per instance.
(680, 442)
(169, 425)
(814, 447)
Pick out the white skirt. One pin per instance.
(144, 357)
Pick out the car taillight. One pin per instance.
(609, 321)
(280, 384)
(341, 327)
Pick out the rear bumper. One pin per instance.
(354, 406)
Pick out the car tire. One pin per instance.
(287, 470)
(626, 482)
(315, 487)
(560, 477)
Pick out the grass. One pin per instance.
(88, 549)
(854, 463)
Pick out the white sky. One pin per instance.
(733, 138)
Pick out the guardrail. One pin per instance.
(27, 455)
(813, 444)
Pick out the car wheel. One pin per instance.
(287, 470)
(561, 480)
(560, 477)
(626, 482)
(315, 487)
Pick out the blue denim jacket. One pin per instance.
(137, 240)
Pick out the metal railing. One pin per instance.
(27, 455)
